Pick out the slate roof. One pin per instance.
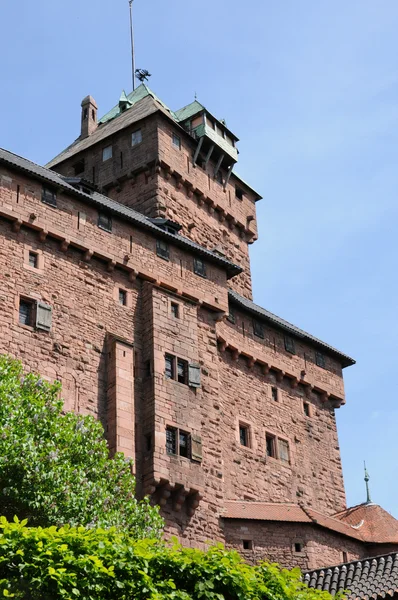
(374, 523)
(123, 212)
(287, 512)
(365, 579)
(269, 317)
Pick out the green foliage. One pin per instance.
(87, 564)
(55, 468)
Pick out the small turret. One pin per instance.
(89, 117)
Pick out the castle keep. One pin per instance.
(125, 274)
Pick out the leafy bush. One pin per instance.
(55, 468)
(88, 564)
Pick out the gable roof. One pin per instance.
(287, 512)
(364, 579)
(269, 317)
(123, 212)
(374, 523)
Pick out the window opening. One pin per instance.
(18, 192)
(258, 329)
(169, 366)
(105, 221)
(49, 196)
(184, 444)
(238, 193)
(79, 167)
(33, 259)
(175, 310)
(298, 547)
(176, 140)
(178, 442)
(107, 153)
(274, 392)
(345, 556)
(306, 407)
(199, 267)
(122, 297)
(270, 445)
(26, 310)
(289, 345)
(244, 435)
(231, 316)
(148, 442)
(171, 440)
(247, 544)
(162, 249)
(320, 359)
(182, 371)
(136, 137)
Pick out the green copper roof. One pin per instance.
(189, 111)
(138, 94)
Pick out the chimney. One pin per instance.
(89, 116)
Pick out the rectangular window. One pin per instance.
(176, 140)
(106, 153)
(178, 442)
(247, 544)
(219, 177)
(320, 359)
(26, 312)
(298, 547)
(162, 249)
(289, 345)
(283, 450)
(122, 297)
(199, 267)
(258, 329)
(182, 371)
(270, 445)
(274, 392)
(169, 366)
(136, 137)
(244, 435)
(171, 440)
(238, 193)
(49, 196)
(306, 408)
(79, 167)
(33, 260)
(175, 310)
(231, 316)
(345, 557)
(105, 221)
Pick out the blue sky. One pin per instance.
(310, 88)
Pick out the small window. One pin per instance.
(274, 392)
(345, 556)
(169, 366)
(175, 310)
(298, 547)
(148, 442)
(105, 221)
(26, 312)
(199, 267)
(171, 440)
(182, 371)
(49, 196)
(244, 435)
(289, 345)
(122, 297)
(219, 177)
(270, 445)
(306, 408)
(231, 316)
(320, 359)
(176, 140)
(78, 167)
(283, 450)
(162, 249)
(85, 113)
(178, 442)
(33, 260)
(106, 153)
(238, 193)
(136, 137)
(247, 544)
(258, 329)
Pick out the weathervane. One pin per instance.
(368, 498)
(142, 75)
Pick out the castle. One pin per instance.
(125, 274)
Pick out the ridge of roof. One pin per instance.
(373, 577)
(286, 326)
(124, 212)
(375, 524)
(133, 97)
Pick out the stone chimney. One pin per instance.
(89, 116)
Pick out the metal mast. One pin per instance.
(132, 44)
(368, 498)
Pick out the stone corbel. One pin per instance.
(164, 494)
(16, 225)
(235, 354)
(179, 499)
(43, 235)
(265, 369)
(111, 266)
(193, 503)
(88, 255)
(250, 362)
(64, 245)
(294, 383)
(279, 376)
(133, 275)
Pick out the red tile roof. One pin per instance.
(372, 522)
(265, 511)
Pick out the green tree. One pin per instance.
(55, 468)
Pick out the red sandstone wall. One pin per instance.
(275, 542)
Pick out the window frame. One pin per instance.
(122, 297)
(270, 437)
(31, 303)
(258, 329)
(274, 393)
(35, 256)
(49, 196)
(133, 144)
(162, 252)
(177, 433)
(175, 310)
(231, 318)
(199, 267)
(320, 359)
(110, 147)
(176, 141)
(290, 345)
(171, 359)
(102, 215)
(245, 429)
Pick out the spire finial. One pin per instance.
(196, 96)
(368, 498)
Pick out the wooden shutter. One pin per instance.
(194, 375)
(43, 316)
(196, 448)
